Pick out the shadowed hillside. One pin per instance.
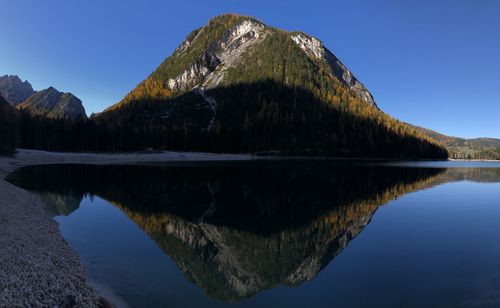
(9, 127)
(273, 118)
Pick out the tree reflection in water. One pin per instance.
(235, 229)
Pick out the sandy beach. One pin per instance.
(37, 266)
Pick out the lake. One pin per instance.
(294, 233)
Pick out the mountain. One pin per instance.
(49, 102)
(14, 90)
(238, 85)
(54, 104)
(460, 148)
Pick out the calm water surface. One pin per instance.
(278, 234)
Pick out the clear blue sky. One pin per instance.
(431, 63)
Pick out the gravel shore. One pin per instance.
(37, 266)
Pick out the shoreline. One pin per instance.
(475, 160)
(38, 268)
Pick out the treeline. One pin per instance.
(459, 148)
(475, 153)
(258, 117)
(269, 115)
(9, 129)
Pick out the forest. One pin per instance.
(460, 148)
(255, 118)
(9, 128)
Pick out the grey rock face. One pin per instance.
(48, 102)
(315, 49)
(208, 71)
(54, 104)
(14, 90)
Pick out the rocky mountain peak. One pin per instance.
(209, 52)
(14, 90)
(49, 102)
(237, 77)
(219, 54)
(54, 104)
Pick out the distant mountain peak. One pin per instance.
(49, 102)
(14, 90)
(54, 104)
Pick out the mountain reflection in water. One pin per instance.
(237, 229)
